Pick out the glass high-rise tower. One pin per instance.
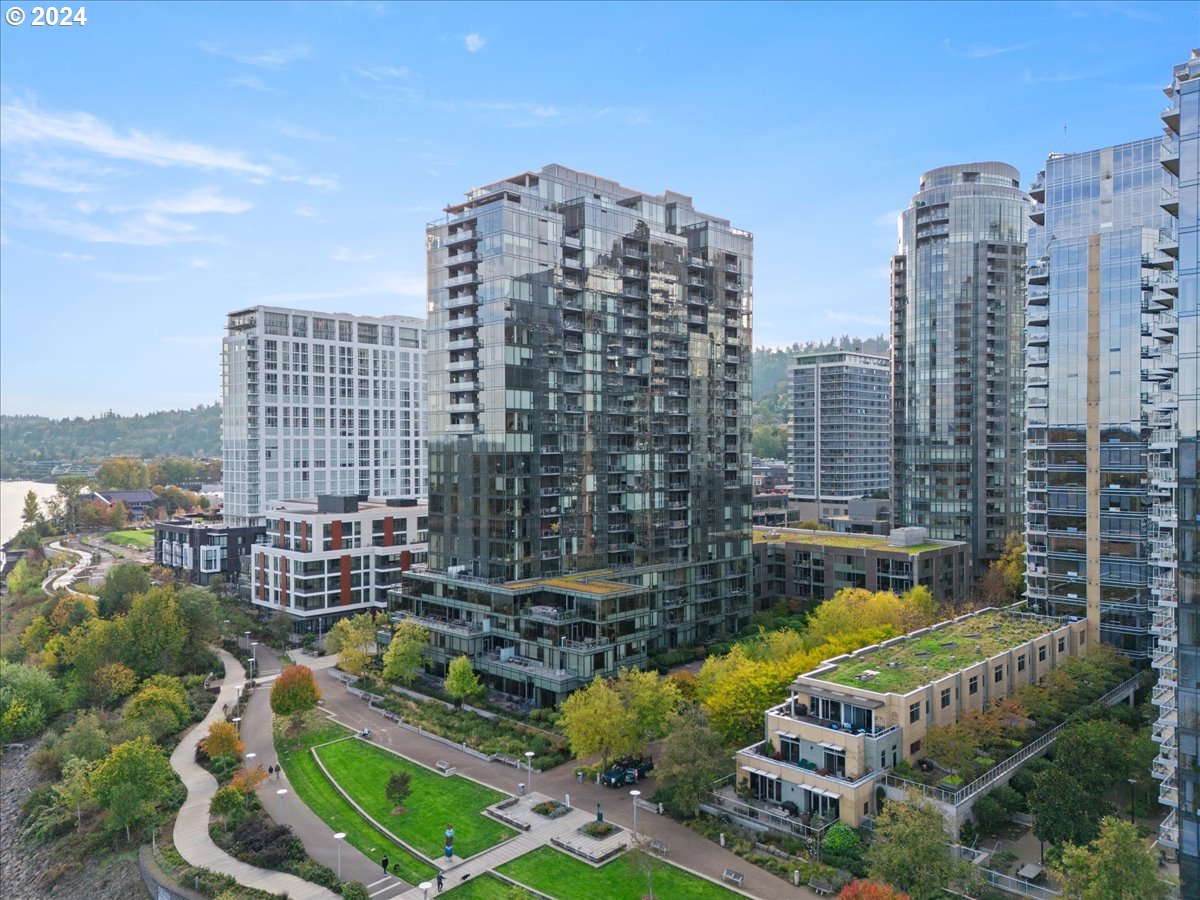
(589, 430)
(1088, 344)
(958, 294)
(1173, 306)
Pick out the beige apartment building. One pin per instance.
(856, 716)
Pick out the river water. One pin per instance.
(12, 501)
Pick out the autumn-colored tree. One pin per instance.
(1010, 566)
(222, 738)
(156, 633)
(294, 691)
(31, 511)
(735, 689)
(156, 711)
(594, 720)
(71, 610)
(650, 700)
(110, 683)
(861, 889)
(122, 473)
(248, 780)
(353, 640)
(402, 659)
(461, 681)
(854, 610)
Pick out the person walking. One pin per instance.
(439, 882)
(384, 863)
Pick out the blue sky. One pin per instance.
(169, 162)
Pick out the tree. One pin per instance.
(222, 738)
(736, 688)
(122, 583)
(156, 711)
(595, 721)
(859, 889)
(74, 789)
(24, 580)
(68, 501)
(953, 746)
(122, 473)
(399, 783)
(1064, 810)
(402, 659)
(650, 700)
(86, 738)
(842, 848)
(279, 629)
(156, 633)
(461, 681)
(110, 683)
(132, 781)
(691, 759)
(353, 640)
(769, 441)
(294, 691)
(31, 512)
(913, 854)
(1117, 865)
(201, 614)
(28, 696)
(852, 610)
(990, 816)
(1010, 566)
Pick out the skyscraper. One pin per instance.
(1174, 414)
(840, 447)
(958, 295)
(1096, 224)
(320, 403)
(589, 430)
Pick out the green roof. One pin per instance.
(926, 657)
(838, 539)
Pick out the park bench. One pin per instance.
(821, 888)
(734, 877)
(444, 767)
(662, 848)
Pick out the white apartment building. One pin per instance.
(320, 403)
(335, 556)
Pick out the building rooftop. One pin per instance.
(837, 539)
(584, 583)
(928, 654)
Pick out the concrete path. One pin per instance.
(689, 850)
(66, 579)
(192, 839)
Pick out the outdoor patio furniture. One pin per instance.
(1031, 872)
(819, 887)
(734, 877)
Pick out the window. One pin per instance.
(1062, 644)
(999, 674)
(914, 713)
(1042, 653)
(973, 685)
(1021, 663)
(945, 698)
(914, 748)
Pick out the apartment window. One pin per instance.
(914, 713)
(345, 331)
(945, 698)
(1042, 653)
(1062, 644)
(914, 748)
(998, 675)
(973, 685)
(1021, 663)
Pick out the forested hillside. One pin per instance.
(26, 441)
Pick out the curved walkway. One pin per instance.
(66, 579)
(192, 839)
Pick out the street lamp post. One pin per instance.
(1132, 787)
(339, 837)
(529, 765)
(253, 656)
(237, 724)
(281, 793)
(635, 794)
(250, 759)
(425, 886)
(247, 640)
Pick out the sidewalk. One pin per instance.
(192, 839)
(689, 850)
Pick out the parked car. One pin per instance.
(627, 770)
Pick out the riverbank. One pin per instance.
(12, 502)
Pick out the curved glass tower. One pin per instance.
(958, 296)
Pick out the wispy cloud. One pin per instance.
(317, 181)
(50, 182)
(268, 58)
(76, 257)
(306, 212)
(474, 41)
(200, 263)
(148, 229)
(1059, 77)
(28, 125)
(249, 81)
(345, 254)
(381, 73)
(197, 202)
(300, 133)
(983, 52)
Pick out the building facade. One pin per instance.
(815, 565)
(840, 446)
(1097, 221)
(334, 556)
(197, 551)
(320, 403)
(855, 717)
(1174, 444)
(958, 297)
(589, 413)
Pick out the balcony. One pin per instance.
(1037, 190)
(465, 343)
(1170, 199)
(461, 365)
(1038, 214)
(1168, 243)
(462, 300)
(458, 237)
(1168, 831)
(462, 258)
(1039, 273)
(1169, 155)
(464, 279)
(441, 623)
(1037, 295)
(550, 614)
(461, 386)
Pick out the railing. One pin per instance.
(752, 814)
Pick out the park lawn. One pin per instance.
(319, 795)
(484, 887)
(142, 540)
(362, 771)
(554, 873)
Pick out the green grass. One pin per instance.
(142, 540)
(362, 770)
(939, 660)
(310, 783)
(484, 887)
(558, 875)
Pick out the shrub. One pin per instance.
(598, 829)
(261, 842)
(990, 816)
(355, 890)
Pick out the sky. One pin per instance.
(167, 163)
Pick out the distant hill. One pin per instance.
(769, 392)
(28, 444)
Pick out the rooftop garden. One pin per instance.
(923, 658)
(837, 539)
